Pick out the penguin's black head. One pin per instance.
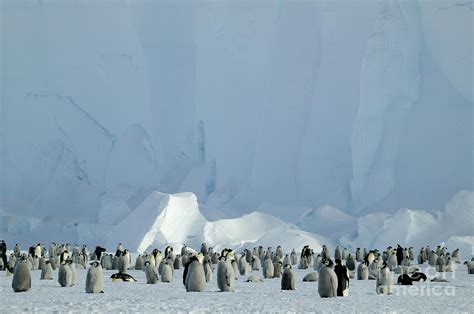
(287, 265)
(329, 263)
(95, 264)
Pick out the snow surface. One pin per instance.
(245, 103)
(47, 296)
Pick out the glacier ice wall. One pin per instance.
(271, 104)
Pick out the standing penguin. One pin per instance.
(208, 268)
(167, 271)
(21, 277)
(327, 284)
(151, 273)
(433, 259)
(293, 257)
(358, 255)
(139, 263)
(46, 271)
(350, 263)
(277, 269)
(124, 262)
(441, 264)
(288, 281)
(392, 261)
(177, 262)
(342, 274)
(64, 275)
(279, 252)
(337, 253)
(95, 279)
(384, 283)
(268, 268)
(72, 267)
(195, 277)
(225, 273)
(399, 254)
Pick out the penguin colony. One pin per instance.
(332, 275)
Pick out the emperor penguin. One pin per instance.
(441, 264)
(411, 253)
(177, 262)
(38, 250)
(184, 250)
(260, 252)
(65, 275)
(384, 282)
(63, 256)
(124, 262)
(204, 249)
(358, 256)
(248, 255)
(34, 262)
(392, 261)
(46, 271)
(107, 262)
(345, 253)
(169, 252)
(470, 267)
(406, 260)
(72, 267)
(342, 274)
(433, 259)
(287, 260)
(215, 258)
(455, 256)
(151, 273)
(225, 273)
(244, 268)
(195, 278)
(362, 272)
(311, 277)
(317, 262)
(119, 250)
(167, 270)
(256, 265)
(325, 252)
(21, 276)
(350, 263)
(268, 268)
(139, 263)
(293, 257)
(327, 283)
(450, 265)
(421, 256)
(208, 268)
(277, 266)
(95, 278)
(17, 250)
(233, 263)
(288, 280)
(279, 251)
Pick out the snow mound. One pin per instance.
(418, 227)
(175, 219)
(329, 221)
(407, 227)
(160, 220)
(258, 229)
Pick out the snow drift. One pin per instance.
(175, 219)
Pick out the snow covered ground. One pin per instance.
(48, 296)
